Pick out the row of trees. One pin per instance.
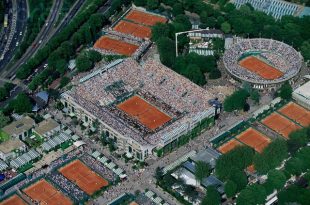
(58, 59)
(39, 11)
(89, 8)
(1, 11)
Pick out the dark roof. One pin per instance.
(41, 100)
(213, 181)
(43, 95)
(208, 155)
(189, 166)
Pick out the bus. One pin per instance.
(5, 24)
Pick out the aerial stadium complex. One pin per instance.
(264, 63)
(143, 107)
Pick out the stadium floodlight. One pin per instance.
(183, 32)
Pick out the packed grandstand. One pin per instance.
(149, 103)
(262, 61)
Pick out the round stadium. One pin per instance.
(264, 63)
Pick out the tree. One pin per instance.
(230, 188)
(297, 139)
(294, 166)
(193, 73)
(22, 104)
(139, 2)
(304, 155)
(294, 195)
(64, 81)
(285, 91)
(271, 157)
(254, 95)
(237, 159)
(212, 197)
(202, 170)
(305, 50)
(177, 9)
(3, 120)
(160, 30)
(3, 93)
(236, 101)
(94, 56)
(152, 4)
(166, 49)
(83, 63)
(158, 173)
(276, 179)
(225, 27)
(252, 195)
(215, 74)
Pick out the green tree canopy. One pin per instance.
(252, 195)
(294, 166)
(3, 120)
(212, 197)
(271, 157)
(225, 27)
(236, 101)
(285, 91)
(239, 158)
(83, 63)
(202, 170)
(294, 195)
(21, 104)
(230, 188)
(276, 180)
(152, 4)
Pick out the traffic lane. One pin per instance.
(21, 22)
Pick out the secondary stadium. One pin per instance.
(264, 63)
(142, 107)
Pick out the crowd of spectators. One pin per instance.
(278, 54)
(152, 78)
(67, 186)
(98, 167)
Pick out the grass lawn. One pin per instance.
(3, 136)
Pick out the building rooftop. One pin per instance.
(160, 86)
(208, 155)
(304, 91)
(19, 126)
(10, 145)
(46, 126)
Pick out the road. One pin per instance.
(17, 26)
(51, 19)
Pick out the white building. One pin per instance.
(302, 95)
(21, 128)
(47, 128)
(11, 149)
(97, 98)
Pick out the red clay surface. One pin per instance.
(88, 180)
(116, 46)
(261, 68)
(45, 193)
(231, 144)
(280, 124)
(296, 113)
(144, 18)
(133, 29)
(254, 139)
(13, 200)
(144, 112)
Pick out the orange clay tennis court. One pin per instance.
(144, 18)
(231, 144)
(45, 193)
(296, 113)
(13, 200)
(88, 180)
(133, 29)
(280, 124)
(144, 112)
(116, 46)
(254, 139)
(261, 68)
